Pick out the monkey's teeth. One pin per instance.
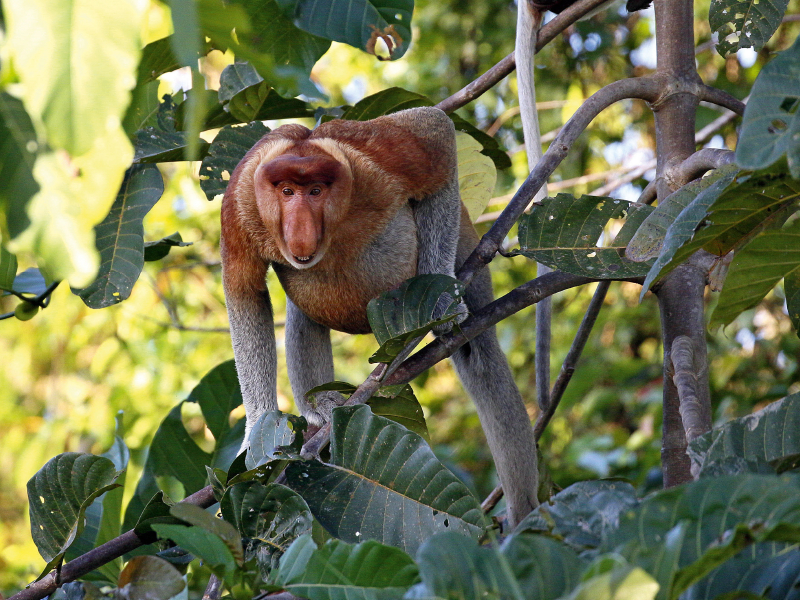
(303, 259)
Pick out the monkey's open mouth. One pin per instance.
(303, 259)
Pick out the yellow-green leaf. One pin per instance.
(477, 174)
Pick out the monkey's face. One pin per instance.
(298, 198)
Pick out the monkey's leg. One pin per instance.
(484, 372)
(309, 360)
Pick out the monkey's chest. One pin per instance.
(335, 292)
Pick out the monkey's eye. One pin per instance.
(315, 191)
(287, 191)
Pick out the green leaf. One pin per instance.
(563, 233)
(401, 314)
(157, 58)
(282, 54)
(383, 483)
(58, 496)
(358, 23)
(163, 142)
(582, 514)
(120, 238)
(156, 511)
(248, 97)
(771, 435)
(341, 571)
(159, 249)
(791, 289)
(8, 269)
(203, 544)
(744, 23)
(618, 580)
(771, 124)
(756, 269)
(18, 147)
(217, 394)
(681, 534)
(648, 240)
(274, 436)
(525, 566)
(225, 152)
(194, 515)
(152, 578)
(75, 90)
(676, 247)
(270, 516)
(477, 175)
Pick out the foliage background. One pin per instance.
(65, 374)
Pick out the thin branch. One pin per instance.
(571, 360)
(697, 165)
(99, 556)
(213, 589)
(42, 300)
(502, 69)
(631, 175)
(721, 98)
(643, 88)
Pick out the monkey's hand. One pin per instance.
(318, 411)
(461, 310)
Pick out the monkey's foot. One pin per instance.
(462, 312)
(319, 410)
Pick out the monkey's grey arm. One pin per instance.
(309, 359)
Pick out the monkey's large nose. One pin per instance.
(300, 232)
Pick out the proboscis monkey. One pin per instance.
(342, 214)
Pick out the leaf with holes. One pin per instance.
(744, 23)
(274, 436)
(756, 269)
(563, 233)
(412, 309)
(163, 142)
(383, 483)
(341, 571)
(227, 149)
(120, 238)
(360, 23)
(270, 517)
(58, 496)
(771, 123)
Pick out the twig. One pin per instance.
(721, 98)
(99, 556)
(571, 360)
(494, 75)
(631, 175)
(42, 300)
(213, 589)
(697, 165)
(685, 379)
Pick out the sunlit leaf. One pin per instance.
(771, 124)
(383, 483)
(120, 238)
(476, 175)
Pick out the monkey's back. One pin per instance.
(337, 297)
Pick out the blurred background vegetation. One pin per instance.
(65, 374)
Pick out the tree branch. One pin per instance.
(721, 98)
(686, 381)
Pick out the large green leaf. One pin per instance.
(412, 309)
(341, 571)
(744, 23)
(681, 534)
(770, 435)
(563, 233)
(356, 22)
(17, 153)
(58, 496)
(194, 515)
(120, 238)
(203, 544)
(771, 124)
(529, 567)
(676, 247)
(227, 149)
(582, 514)
(75, 90)
(383, 483)
(648, 240)
(270, 517)
(756, 269)
(173, 453)
(477, 175)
